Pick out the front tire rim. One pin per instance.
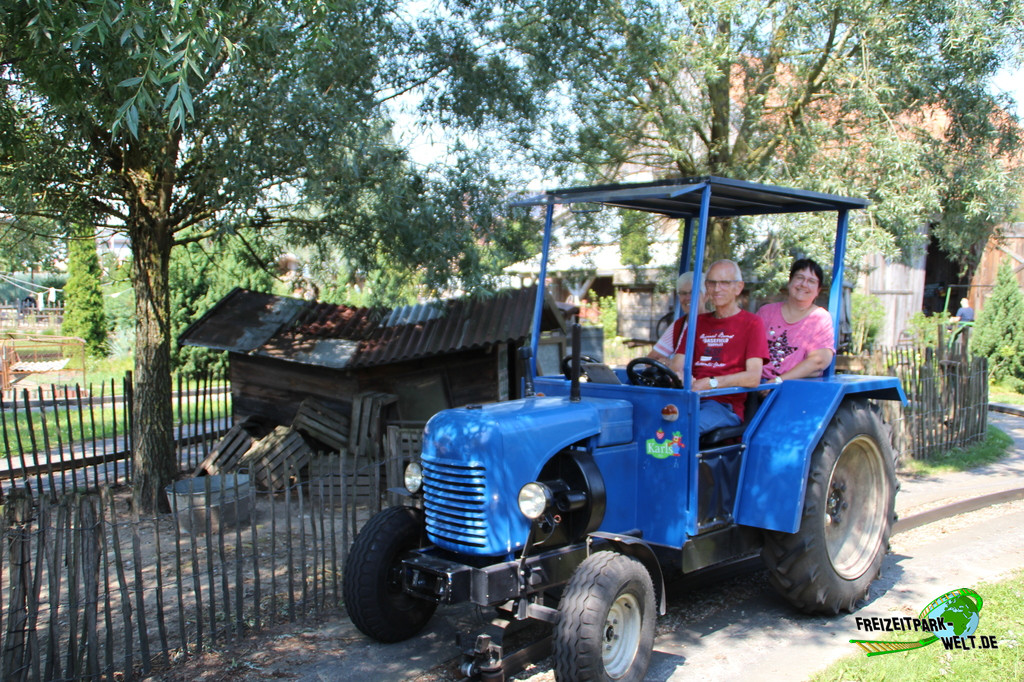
(856, 508)
(621, 635)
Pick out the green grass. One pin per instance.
(1002, 617)
(617, 353)
(1002, 394)
(102, 370)
(101, 422)
(992, 449)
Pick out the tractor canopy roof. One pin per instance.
(681, 198)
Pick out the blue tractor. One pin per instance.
(570, 505)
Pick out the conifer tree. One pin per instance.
(999, 331)
(83, 297)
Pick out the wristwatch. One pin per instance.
(713, 382)
(777, 379)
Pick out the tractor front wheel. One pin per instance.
(828, 565)
(606, 627)
(373, 592)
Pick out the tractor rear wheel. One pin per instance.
(606, 627)
(372, 585)
(828, 565)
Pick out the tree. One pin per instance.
(201, 274)
(83, 297)
(999, 331)
(176, 122)
(886, 99)
(27, 245)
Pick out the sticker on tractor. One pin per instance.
(659, 448)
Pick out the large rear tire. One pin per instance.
(828, 565)
(372, 585)
(606, 627)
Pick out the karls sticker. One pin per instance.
(660, 448)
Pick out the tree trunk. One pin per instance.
(152, 420)
(719, 241)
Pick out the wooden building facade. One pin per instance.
(430, 356)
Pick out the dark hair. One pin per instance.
(807, 264)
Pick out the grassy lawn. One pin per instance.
(1002, 394)
(992, 449)
(1002, 617)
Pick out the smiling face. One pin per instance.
(803, 287)
(724, 285)
(685, 292)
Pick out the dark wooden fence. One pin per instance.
(90, 592)
(947, 394)
(58, 439)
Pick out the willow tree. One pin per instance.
(888, 99)
(174, 121)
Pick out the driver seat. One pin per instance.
(724, 434)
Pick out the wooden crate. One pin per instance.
(228, 451)
(336, 478)
(277, 458)
(320, 423)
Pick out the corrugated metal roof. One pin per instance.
(339, 336)
(242, 321)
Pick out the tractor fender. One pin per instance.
(637, 549)
(782, 437)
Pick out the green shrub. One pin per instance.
(866, 316)
(83, 296)
(999, 331)
(608, 314)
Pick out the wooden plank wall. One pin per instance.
(1009, 248)
(272, 389)
(898, 287)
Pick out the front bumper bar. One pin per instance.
(429, 574)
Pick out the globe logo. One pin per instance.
(958, 609)
(951, 619)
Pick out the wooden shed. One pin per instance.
(431, 356)
(1008, 246)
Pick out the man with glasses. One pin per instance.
(729, 351)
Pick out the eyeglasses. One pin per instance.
(715, 283)
(809, 281)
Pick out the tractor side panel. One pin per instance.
(773, 477)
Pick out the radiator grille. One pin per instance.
(454, 498)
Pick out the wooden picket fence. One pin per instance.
(90, 592)
(947, 394)
(59, 439)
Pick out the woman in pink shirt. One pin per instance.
(801, 340)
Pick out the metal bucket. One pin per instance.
(221, 500)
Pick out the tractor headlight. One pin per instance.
(534, 499)
(413, 477)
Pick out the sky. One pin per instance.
(1011, 81)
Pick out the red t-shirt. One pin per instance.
(723, 346)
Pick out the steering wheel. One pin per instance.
(567, 365)
(655, 374)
